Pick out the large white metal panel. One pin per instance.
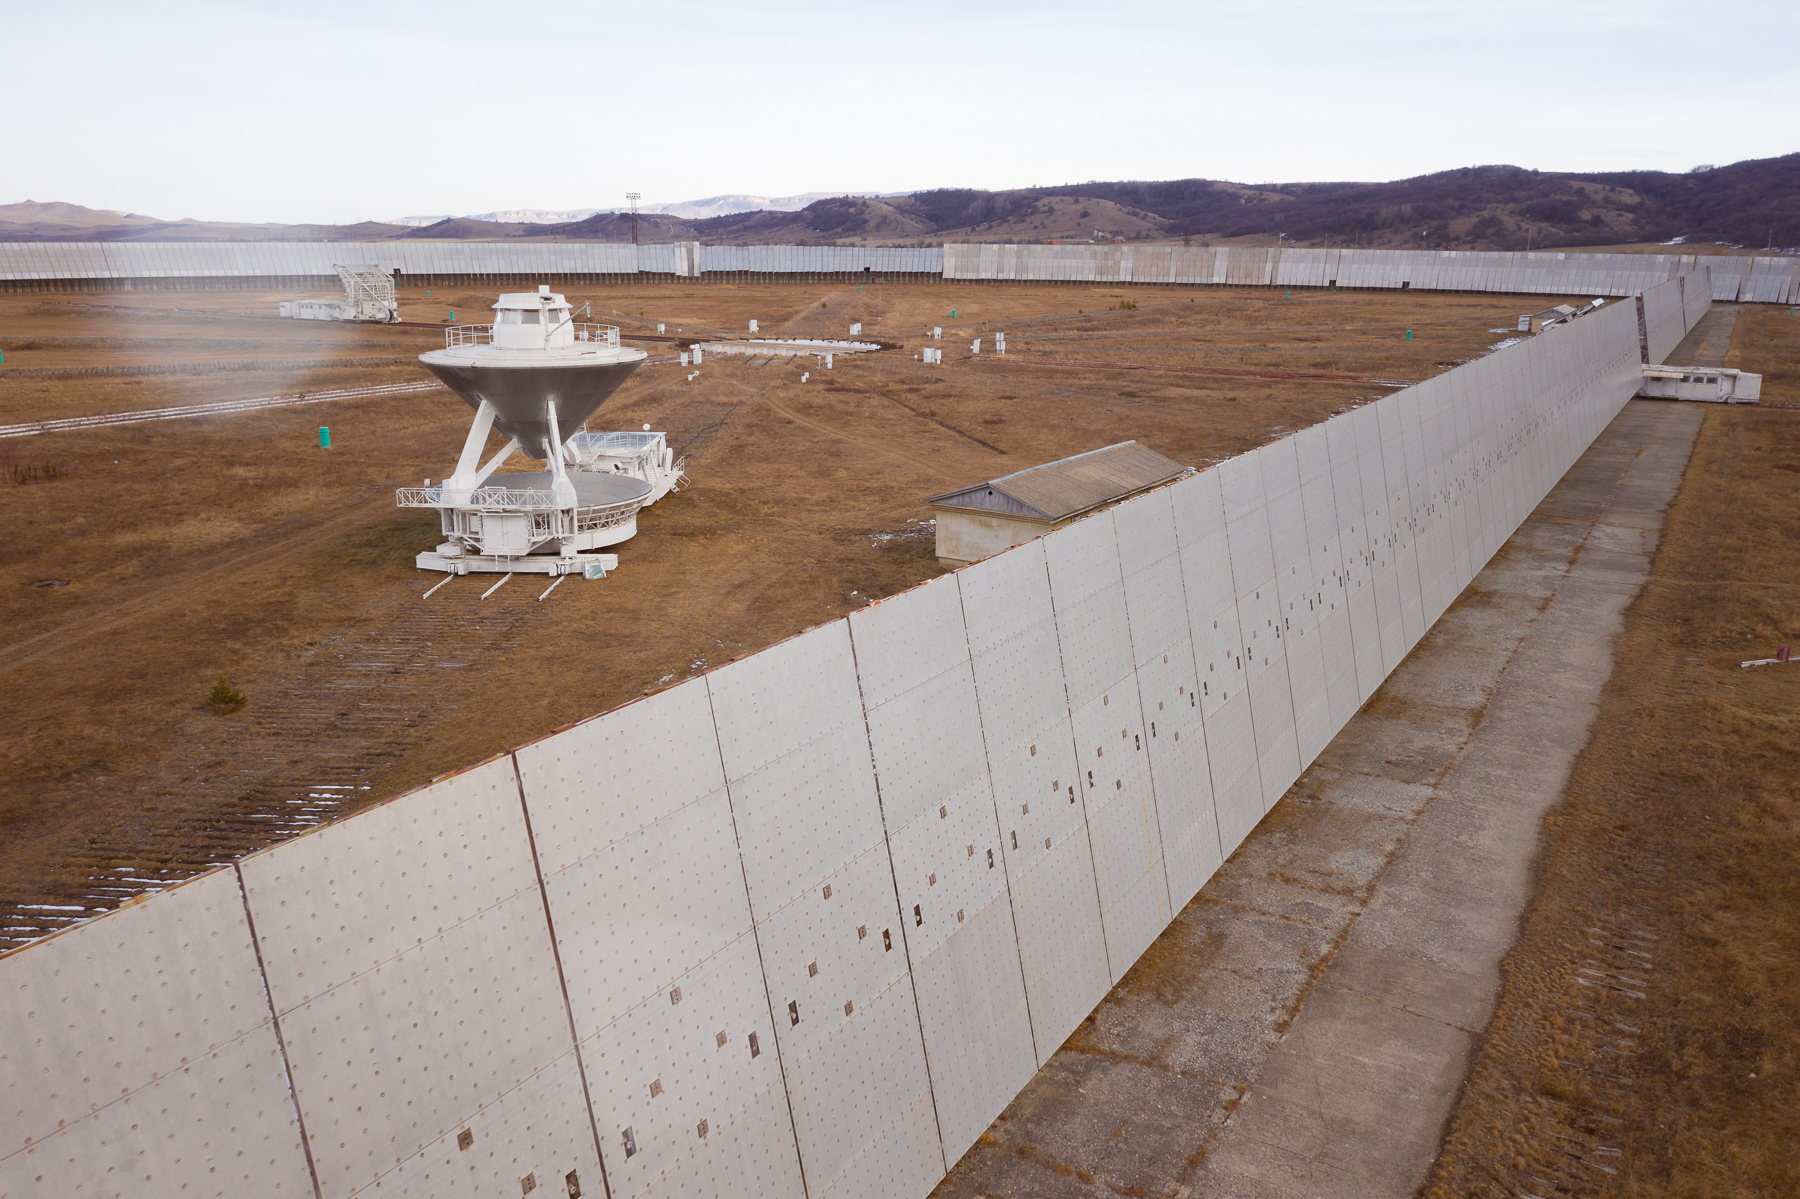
(139, 1057)
(1088, 592)
(978, 1035)
(944, 838)
(1305, 663)
(653, 927)
(904, 641)
(1110, 732)
(415, 934)
(1271, 698)
(1357, 581)
(1095, 636)
(1205, 555)
(1168, 689)
(803, 793)
(1050, 868)
(1246, 518)
(1156, 599)
(1282, 499)
(688, 1087)
(1237, 782)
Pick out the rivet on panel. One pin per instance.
(528, 1184)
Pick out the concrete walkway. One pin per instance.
(1302, 1029)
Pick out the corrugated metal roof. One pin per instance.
(1061, 489)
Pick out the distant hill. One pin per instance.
(1755, 203)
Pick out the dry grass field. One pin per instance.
(234, 546)
(1647, 1042)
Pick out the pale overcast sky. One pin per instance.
(333, 111)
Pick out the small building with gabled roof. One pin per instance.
(981, 520)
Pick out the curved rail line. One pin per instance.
(217, 408)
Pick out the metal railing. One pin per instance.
(480, 497)
(602, 334)
(467, 335)
(476, 335)
(588, 517)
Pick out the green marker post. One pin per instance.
(1409, 335)
(324, 437)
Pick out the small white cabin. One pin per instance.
(540, 320)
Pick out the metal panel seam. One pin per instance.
(756, 935)
(562, 981)
(912, 978)
(281, 1044)
(1075, 748)
(988, 761)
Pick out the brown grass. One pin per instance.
(1680, 839)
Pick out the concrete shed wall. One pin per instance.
(964, 537)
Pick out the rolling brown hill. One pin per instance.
(1754, 203)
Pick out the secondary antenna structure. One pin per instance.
(368, 296)
(535, 375)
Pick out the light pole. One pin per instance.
(633, 197)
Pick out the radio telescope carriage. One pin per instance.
(536, 375)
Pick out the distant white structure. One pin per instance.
(752, 326)
(999, 343)
(536, 375)
(975, 346)
(1549, 318)
(787, 347)
(855, 328)
(1709, 384)
(368, 296)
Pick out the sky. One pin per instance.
(332, 111)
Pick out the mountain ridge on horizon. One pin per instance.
(1751, 203)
